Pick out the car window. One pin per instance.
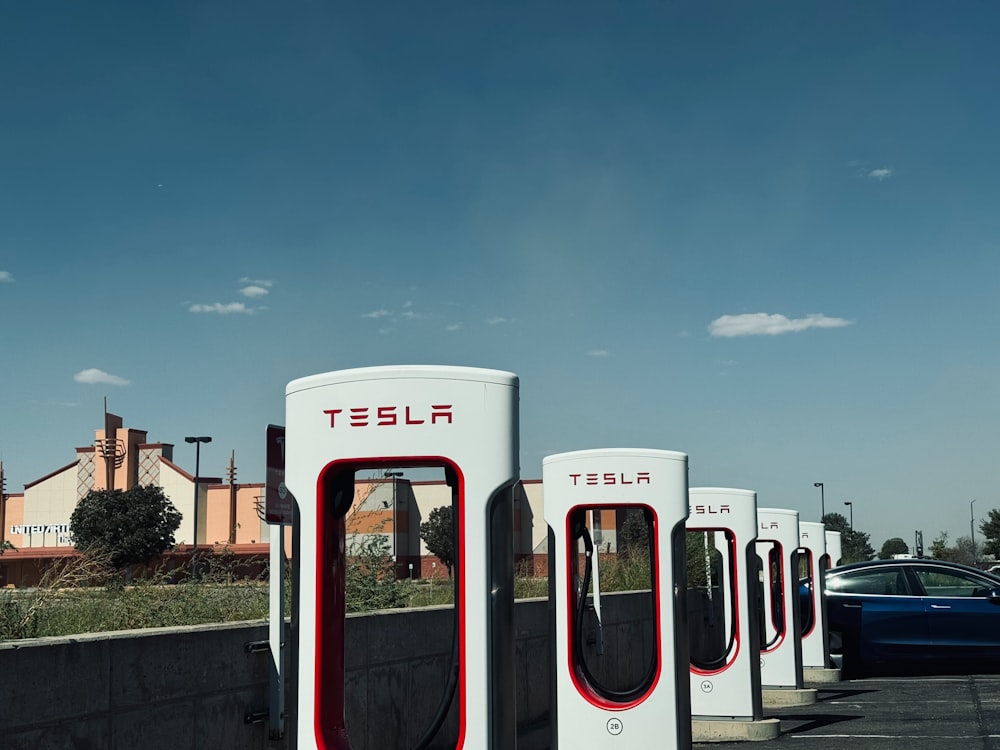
(950, 583)
(886, 581)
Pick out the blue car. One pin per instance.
(913, 614)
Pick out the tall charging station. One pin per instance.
(461, 420)
(621, 659)
(834, 548)
(781, 645)
(813, 562)
(722, 599)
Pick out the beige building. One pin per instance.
(37, 521)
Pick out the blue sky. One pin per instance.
(762, 234)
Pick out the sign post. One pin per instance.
(278, 501)
(279, 507)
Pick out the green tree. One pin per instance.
(634, 536)
(855, 545)
(370, 580)
(439, 536)
(940, 549)
(990, 529)
(128, 526)
(894, 546)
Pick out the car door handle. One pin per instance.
(940, 606)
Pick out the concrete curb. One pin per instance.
(734, 730)
(786, 697)
(820, 675)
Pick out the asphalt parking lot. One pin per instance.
(949, 712)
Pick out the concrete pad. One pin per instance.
(734, 730)
(820, 675)
(786, 697)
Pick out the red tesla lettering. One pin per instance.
(711, 510)
(440, 411)
(390, 416)
(592, 478)
(642, 477)
(610, 478)
(574, 477)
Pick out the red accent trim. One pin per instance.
(734, 572)
(781, 627)
(812, 593)
(329, 725)
(579, 681)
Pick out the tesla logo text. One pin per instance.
(610, 477)
(710, 510)
(389, 416)
(767, 525)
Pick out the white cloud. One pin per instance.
(882, 173)
(377, 314)
(6, 276)
(496, 321)
(764, 324)
(267, 283)
(598, 353)
(453, 327)
(223, 309)
(254, 291)
(95, 376)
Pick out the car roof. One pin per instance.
(909, 561)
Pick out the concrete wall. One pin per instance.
(191, 687)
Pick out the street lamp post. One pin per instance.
(197, 468)
(822, 500)
(394, 475)
(972, 530)
(850, 505)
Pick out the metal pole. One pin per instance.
(198, 440)
(232, 498)
(276, 632)
(3, 507)
(850, 505)
(197, 468)
(972, 530)
(822, 500)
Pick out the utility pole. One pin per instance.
(972, 531)
(3, 507)
(232, 498)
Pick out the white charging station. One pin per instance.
(464, 420)
(722, 617)
(813, 560)
(781, 646)
(834, 548)
(606, 697)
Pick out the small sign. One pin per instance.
(278, 501)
